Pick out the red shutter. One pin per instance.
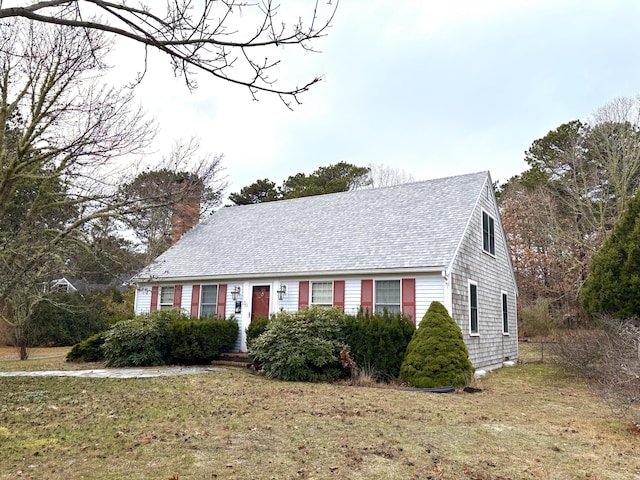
(366, 295)
(303, 295)
(409, 298)
(221, 305)
(195, 301)
(154, 299)
(338, 294)
(177, 297)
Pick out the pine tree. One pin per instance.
(613, 284)
(436, 355)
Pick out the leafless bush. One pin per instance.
(609, 357)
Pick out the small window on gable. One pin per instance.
(387, 296)
(488, 234)
(505, 314)
(322, 294)
(208, 300)
(473, 308)
(166, 297)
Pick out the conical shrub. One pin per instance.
(436, 355)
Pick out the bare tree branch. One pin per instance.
(208, 38)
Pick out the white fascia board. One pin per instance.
(282, 275)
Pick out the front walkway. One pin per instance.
(146, 372)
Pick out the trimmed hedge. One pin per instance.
(301, 346)
(89, 350)
(378, 342)
(198, 342)
(437, 355)
(141, 341)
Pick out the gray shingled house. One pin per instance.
(398, 248)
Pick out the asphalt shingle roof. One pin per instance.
(410, 226)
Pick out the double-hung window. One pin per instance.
(208, 300)
(387, 296)
(505, 314)
(473, 308)
(322, 294)
(166, 297)
(488, 234)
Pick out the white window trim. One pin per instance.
(375, 291)
(504, 294)
(311, 283)
(160, 304)
(215, 304)
(471, 333)
(488, 252)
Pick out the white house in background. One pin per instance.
(398, 248)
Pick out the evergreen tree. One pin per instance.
(613, 283)
(436, 355)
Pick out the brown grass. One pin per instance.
(528, 422)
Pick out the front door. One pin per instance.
(260, 302)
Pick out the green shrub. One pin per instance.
(256, 328)
(197, 342)
(140, 341)
(436, 355)
(378, 342)
(65, 319)
(301, 346)
(89, 350)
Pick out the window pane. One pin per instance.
(207, 310)
(473, 308)
(388, 292)
(209, 294)
(322, 293)
(388, 296)
(166, 296)
(505, 314)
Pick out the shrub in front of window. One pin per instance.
(141, 341)
(198, 342)
(301, 346)
(378, 342)
(437, 355)
(89, 350)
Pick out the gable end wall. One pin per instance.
(493, 275)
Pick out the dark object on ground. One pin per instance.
(471, 390)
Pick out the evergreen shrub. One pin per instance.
(437, 355)
(256, 328)
(89, 350)
(64, 319)
(141, 341)
(198, 342)
(378, 342)
(301, 346)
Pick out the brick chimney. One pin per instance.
(186, 209)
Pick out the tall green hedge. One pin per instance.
(141, 341)
(378, 341)
(437, 355)
(197, 342)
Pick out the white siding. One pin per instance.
(352, 295)
(142, 300)
(185, 301)
(428, 289)
(290, 301)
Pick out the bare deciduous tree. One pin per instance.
(386, 176)
(59, 129)
(234, 40)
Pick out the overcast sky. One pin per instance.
(434, 88)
